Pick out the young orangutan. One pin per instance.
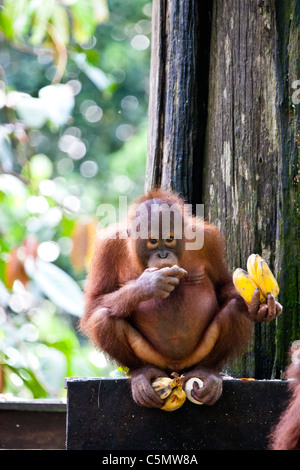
(286, 435)
(157, 307)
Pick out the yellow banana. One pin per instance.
(163, 386)
(171, 391)
(175, 400)
(266, 281)
(245, 285)
(252, 264)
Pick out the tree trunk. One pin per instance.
(251, 185)
(288, 258)
(178, 95)
(234, 145)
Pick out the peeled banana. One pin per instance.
(189, 387)
(258, 275)
(245, 285)
(171, 391)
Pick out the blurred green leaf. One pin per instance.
(6, 25)
(42, 11)
(57, 285)
(86, 15)
(53, 368)
(95, 74)
(92, 57)
(30, 379)
(60, 21)
(33, 17)
(14, 18)
(84, 20)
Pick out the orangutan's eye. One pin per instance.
(170, 241)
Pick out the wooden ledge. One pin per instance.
(102, 415)
(32, 424)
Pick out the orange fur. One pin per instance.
(286, 435)
(215, 325)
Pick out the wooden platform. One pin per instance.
(32, 424)
(102, 415)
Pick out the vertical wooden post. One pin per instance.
(288, 239)
(178, 95)
(234, 144)
(250, 181)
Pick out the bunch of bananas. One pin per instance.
(258, 275)
(170, 390)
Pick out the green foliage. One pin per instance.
(73, 120)
(41, 20)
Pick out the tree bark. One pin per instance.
(251, 155)
(178, 95)
(288, 258)
(235, 144)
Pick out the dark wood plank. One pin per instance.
(103, 416)
(32, 424)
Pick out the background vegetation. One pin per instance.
(73, 115)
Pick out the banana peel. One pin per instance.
(175, 400)
(170, 390)
(163, 386)
(258, 276)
